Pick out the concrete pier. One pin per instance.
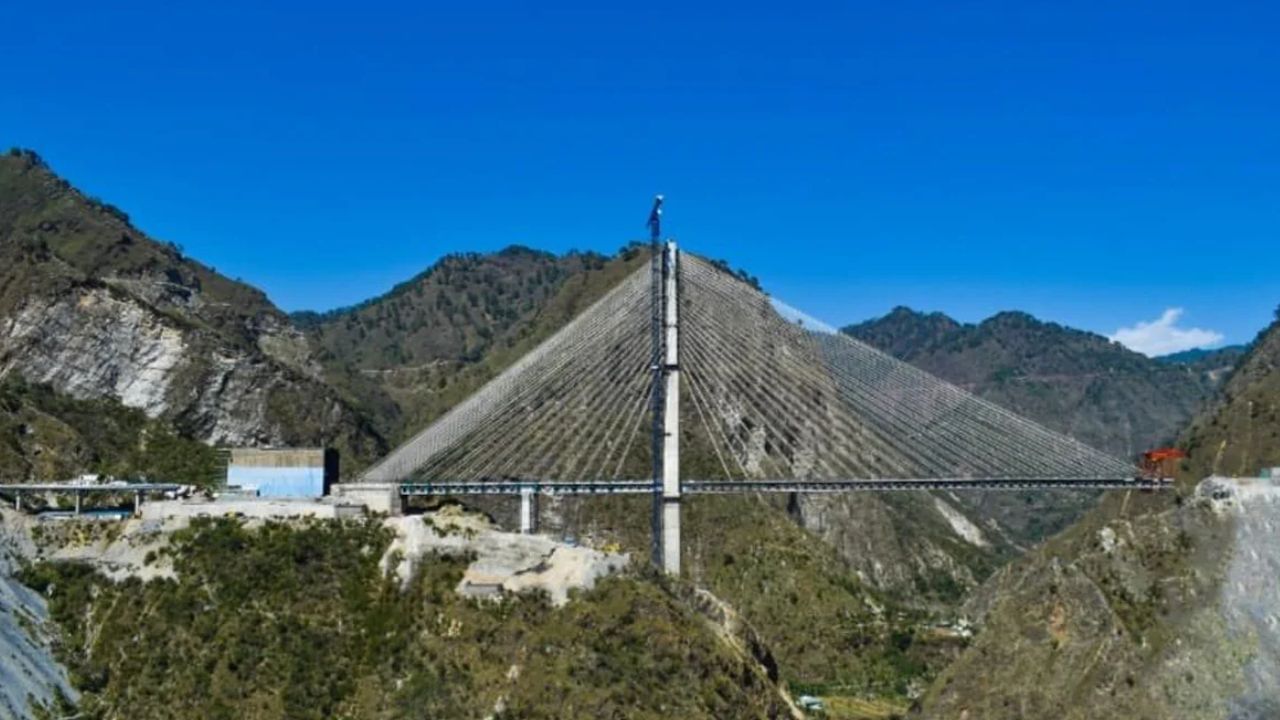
(668, 531)
(528, 510)
(377, 497)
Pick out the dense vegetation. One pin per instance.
(298, 621)
(410, 355)
(1240, 435)
(46, 435)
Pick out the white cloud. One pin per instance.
(1163, 336)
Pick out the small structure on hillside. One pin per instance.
(1161, 462)
(283, 472)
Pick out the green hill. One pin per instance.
(1240, 434)
(93, 308)
(1153, 605)
(1068, 380)
(411, 354)
(1076, 382)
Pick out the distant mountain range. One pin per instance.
(1070, 380)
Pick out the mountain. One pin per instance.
(845, 590)
(1076, 382)
(412, 353)
(1226, 356)
(1154, 605)
(1240, 434)
(1068, 380)
(93, 308)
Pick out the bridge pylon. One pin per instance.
(666, 421)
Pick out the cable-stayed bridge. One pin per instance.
(686, 379)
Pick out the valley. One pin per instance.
(121, 356)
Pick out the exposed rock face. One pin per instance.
(1250, 600)
(28, 671)
(91, 343)
(95, 309)
(1171, 612)
(501, 562)
(903, 543)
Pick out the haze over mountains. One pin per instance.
(119, 353)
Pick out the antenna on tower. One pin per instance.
(655, 221)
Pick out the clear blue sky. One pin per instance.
(1092, 163)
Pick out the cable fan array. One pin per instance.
(780, 396)
(571, 410)
(768, 394)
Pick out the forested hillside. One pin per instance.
(94, 308)
(1153, 605)
(1075, 382)
(299, 621)
(1072, 381)
(409, 355)
(1240, 435)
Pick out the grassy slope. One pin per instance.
(410, 355)
(826, 628)
(298, 622)
(1240, 434)
(44, 435)
(1077, 630)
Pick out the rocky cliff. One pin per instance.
(94, 308)
(30, 675)
(1153, 605)
(1160, 609)
(1240, 434)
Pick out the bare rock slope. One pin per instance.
(30, 675)
(93, 307)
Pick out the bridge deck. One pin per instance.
(85, 488)
(718, 487)
(79, 490)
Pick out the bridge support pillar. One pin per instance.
(528, 510)
(77, 502)
(667, 516)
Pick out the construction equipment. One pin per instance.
(1161, 463)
